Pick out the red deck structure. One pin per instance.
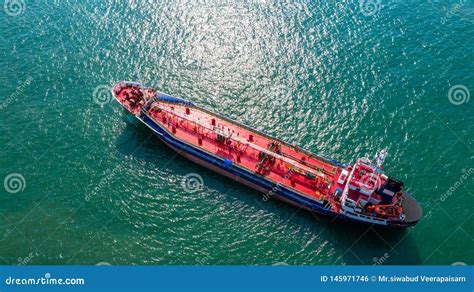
(350, 190)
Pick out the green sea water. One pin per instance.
(81, 183)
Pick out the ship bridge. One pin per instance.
(360, 189)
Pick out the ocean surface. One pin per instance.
(81, 183)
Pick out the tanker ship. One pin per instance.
(358, 191)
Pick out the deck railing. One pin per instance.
(218, 131)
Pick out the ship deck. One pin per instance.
(313, 177)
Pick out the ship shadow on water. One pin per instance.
(137, 140)
(361, 244)
(355, 243)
